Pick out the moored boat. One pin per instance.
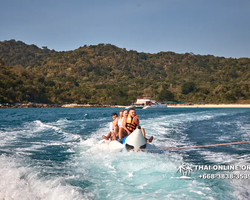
(134, 106)
(155, 105)
(140, 103)
(147, 103)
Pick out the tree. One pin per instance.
(165, 95)
(108, 72)
(187, 87)
(230, 97)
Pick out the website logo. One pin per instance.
(185, 170)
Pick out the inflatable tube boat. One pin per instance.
(134, 141)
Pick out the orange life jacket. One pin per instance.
(132, 123)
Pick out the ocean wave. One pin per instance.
(63, 158)
(35, 135)
(239, 186)
(23, 183)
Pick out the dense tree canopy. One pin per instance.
(187, 87)
(106, 74)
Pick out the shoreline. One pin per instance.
(211, 106)
(39, 105)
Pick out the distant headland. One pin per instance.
(107, 75)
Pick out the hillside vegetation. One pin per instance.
(106, 74)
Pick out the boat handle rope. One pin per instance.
(200, 146)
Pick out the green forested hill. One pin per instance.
(107, 74)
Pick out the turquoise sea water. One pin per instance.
(54, 153)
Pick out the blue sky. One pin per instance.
(216, 27)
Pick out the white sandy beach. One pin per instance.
(170, 106)
(211, 106)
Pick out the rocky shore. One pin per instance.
(41, 105)
(29, 105)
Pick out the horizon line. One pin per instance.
(104, 43)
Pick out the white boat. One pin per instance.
(155, 105)
(135, 141)
(134, 106)
(140, 103)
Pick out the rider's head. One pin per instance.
(132, 112)
(114, 116)
(125, 113)
(121, 112)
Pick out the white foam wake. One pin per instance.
(23, 183)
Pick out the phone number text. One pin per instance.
(224, 176)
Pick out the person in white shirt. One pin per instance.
(122, 133)
(113, 134)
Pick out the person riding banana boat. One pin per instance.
(124, 125)
(131, 122)
(122, 133)
(113, 134)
